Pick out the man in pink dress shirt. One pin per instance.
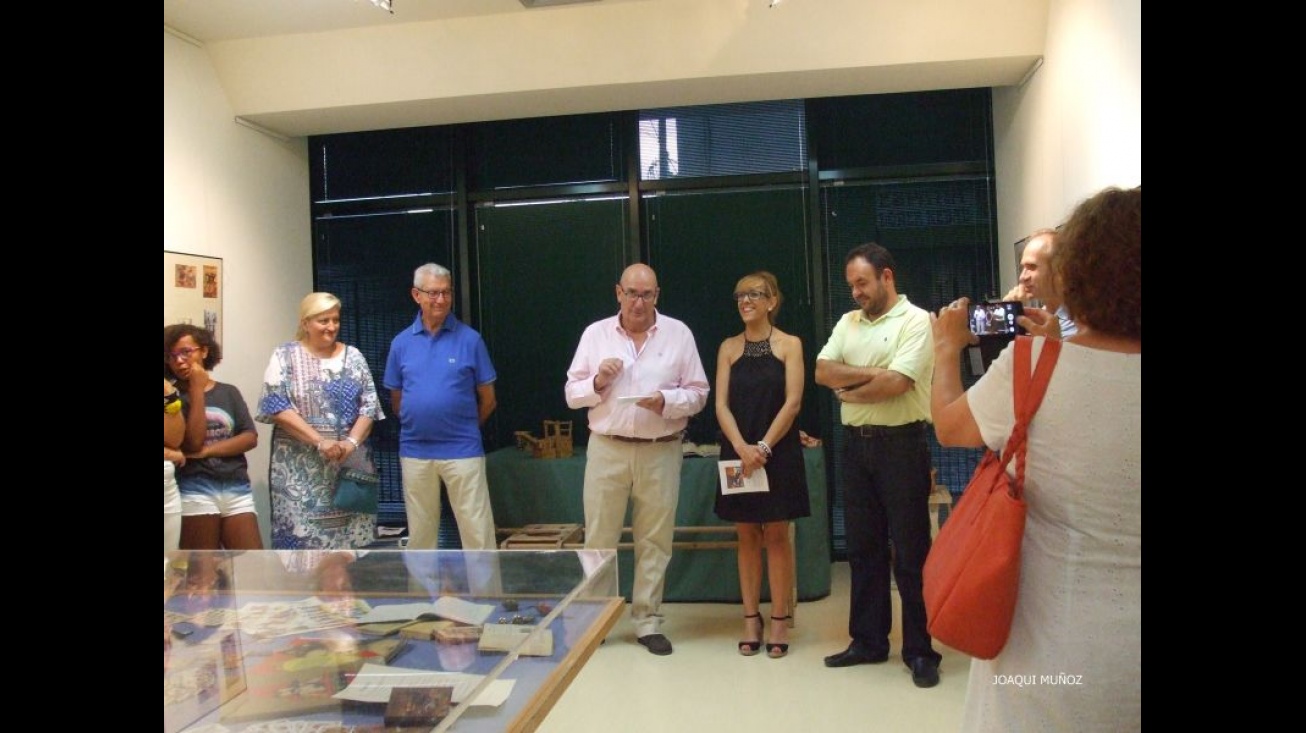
(639, 374)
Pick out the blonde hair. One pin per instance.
(314, 304)
(768, 283)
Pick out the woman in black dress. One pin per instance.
(759, 390)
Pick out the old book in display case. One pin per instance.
(418, 706)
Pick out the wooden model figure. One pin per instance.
(556, 442)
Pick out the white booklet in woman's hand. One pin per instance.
(734, 482)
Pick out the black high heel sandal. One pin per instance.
(776, 651)
(749, 648)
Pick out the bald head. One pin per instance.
(637, 293)
(639, 275)
(1036, 269)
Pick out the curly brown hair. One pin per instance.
(1099, 262)
(203, 338)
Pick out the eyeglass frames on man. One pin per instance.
(647, 296)
(436, 294)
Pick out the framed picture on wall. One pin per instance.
(192, 290)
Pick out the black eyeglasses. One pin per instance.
(647, 297)
(751, 296)
(436, 294)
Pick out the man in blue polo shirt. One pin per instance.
(441, 386)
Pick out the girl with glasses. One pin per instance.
(217, 500)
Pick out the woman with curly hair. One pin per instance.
(1077, 632)
(217, 501)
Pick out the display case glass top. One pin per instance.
(380, 640)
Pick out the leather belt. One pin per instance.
(627, 439)
(879, 431)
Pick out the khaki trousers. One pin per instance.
(469, 495)
(645, 476)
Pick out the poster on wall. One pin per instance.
(192, 291)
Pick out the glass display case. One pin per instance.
(381, 640)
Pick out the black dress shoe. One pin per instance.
(924, 672)
(656, 643)
(853, 655)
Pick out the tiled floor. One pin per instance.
(707, 686)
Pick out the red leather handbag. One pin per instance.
(972, 573)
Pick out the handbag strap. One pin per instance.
(1027, 395)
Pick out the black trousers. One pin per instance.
(886, 474)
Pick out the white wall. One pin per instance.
(234, 193)
(1076, 126)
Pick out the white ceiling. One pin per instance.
(225, 20)
(311, 67)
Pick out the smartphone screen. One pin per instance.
(996, 318)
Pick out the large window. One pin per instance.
(545, 271)
(722, 140)
(701, 243)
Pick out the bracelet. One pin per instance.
(766, 449)
(350, 438)
(319, 445)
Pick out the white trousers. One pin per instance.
(646, 476)
(469, 495)
(171, 508)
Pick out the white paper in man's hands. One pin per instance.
(733, 481)
(632, 399)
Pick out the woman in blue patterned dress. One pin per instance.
(319, 395)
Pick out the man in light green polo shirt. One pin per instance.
(879, 361)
